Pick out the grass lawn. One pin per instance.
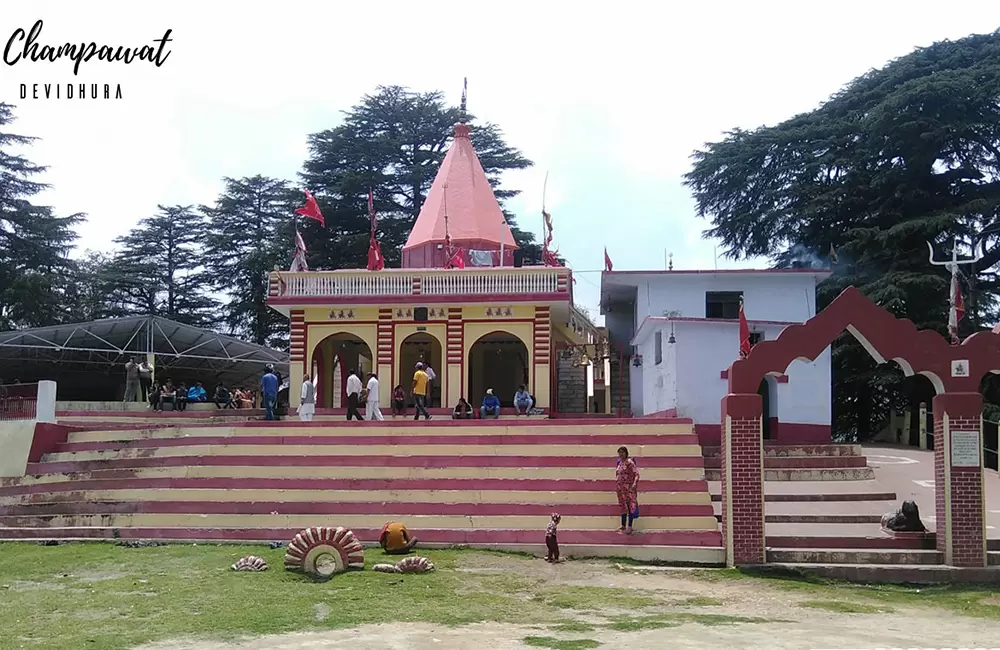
(105, 597)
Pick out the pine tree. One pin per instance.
(158, 269)
(393, 142)
(251, 231)
(901, 156)
(35, 272)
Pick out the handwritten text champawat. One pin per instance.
(22, 46)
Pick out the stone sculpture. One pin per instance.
(250, 563)
(414, 564)
(322, 552)
(904, 520)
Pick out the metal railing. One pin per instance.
(18, 401)
(428, 282)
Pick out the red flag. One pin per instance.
(744, 333)
(375, 260)
(456, 261)
(957, 311)
(311, 209)
(608, 266)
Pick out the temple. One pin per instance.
(493, 324)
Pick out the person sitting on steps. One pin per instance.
(491, 406)
(399, 400)
(463, 410)
(522, 400)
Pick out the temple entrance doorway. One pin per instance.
(768, 391)
(499, 361)
(332, 359)
(424, 348)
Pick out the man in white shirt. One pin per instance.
(307, 405)
(353, 392)
(430, 383)
(372, 410)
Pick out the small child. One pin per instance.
(551, 542)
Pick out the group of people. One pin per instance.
(490, 408)
(180, 395)
(140, 387)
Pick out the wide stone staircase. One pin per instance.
(829, 462)
(490, 484)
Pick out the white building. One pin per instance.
(682, 331)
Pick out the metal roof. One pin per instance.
(179, 348)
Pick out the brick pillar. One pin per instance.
(743, 480)
(385, 356)
(960, 518)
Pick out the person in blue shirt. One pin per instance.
(491, 406)
(197, 393)
(269, 392)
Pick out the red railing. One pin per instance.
(18, 401)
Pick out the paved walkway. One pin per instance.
(906, 471)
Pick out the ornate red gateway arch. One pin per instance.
(954, 370)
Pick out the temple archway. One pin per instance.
(332, 359)
(498, 360)
(420, 347)
(768, 391)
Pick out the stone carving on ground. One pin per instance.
(415, 564)
(322, 552)
(250, 563)
(904, 520)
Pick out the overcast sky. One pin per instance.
(610, 102)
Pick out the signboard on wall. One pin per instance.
(965, 449)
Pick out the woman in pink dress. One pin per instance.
(626, 481)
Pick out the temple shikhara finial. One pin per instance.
(465, 227)
(463, 117)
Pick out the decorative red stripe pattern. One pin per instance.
(417, 285)
(490, 538)
(542, 335)
(297, 341)
(385, 337)
(456, 336)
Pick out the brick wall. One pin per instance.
(621, 387)
(572, 386)
(966, 493)
(742, 465)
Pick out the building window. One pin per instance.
(658, 342)
(723, 304)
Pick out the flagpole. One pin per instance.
(545, 226)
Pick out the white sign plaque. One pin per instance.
(965, 446)
(960, 368)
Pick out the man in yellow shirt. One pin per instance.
(420, 384)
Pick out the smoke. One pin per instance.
(801, 257)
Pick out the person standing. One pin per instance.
(372, 410)
(307, 401)
(431, 375)
(419, 389)
(626, 485)
(131, 381)
(353, 393)
(269, 392)
(145, 379)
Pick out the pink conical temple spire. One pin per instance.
(475, 220)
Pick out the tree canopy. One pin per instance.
(901, 156)
(393, 142)
(35, 272)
